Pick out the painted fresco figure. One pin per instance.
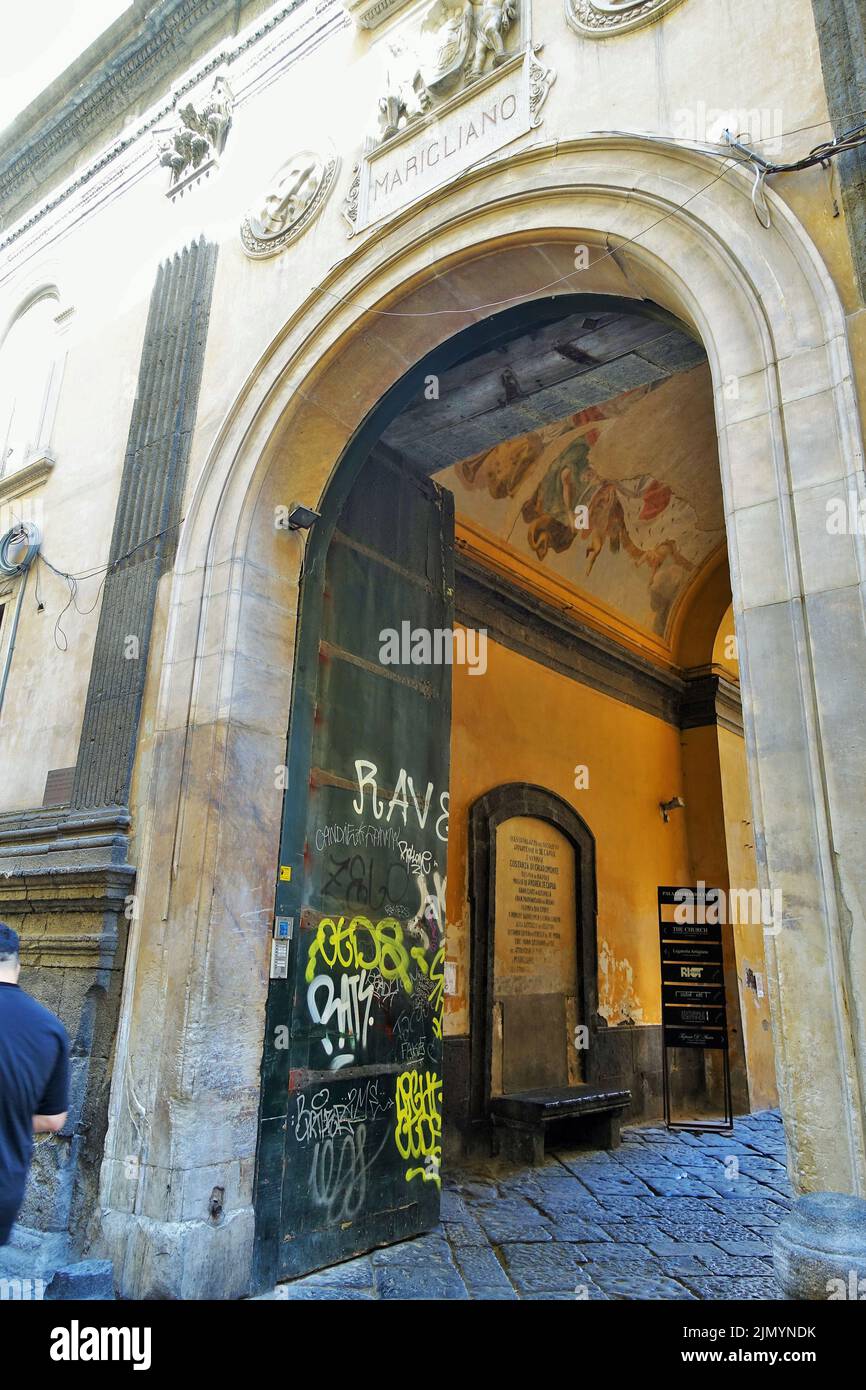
(503, 468)
(570, 482)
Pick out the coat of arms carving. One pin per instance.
(455, 44)
(598, 18)
(289, 203)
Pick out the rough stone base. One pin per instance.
(38, 1265)
(819, 1250)
(181, 1259)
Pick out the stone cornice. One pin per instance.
(369, 14)
(156, 57)
(711, 697)
(118, 70)
(26, 478)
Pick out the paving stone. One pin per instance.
(744, 1189)
(675, 1266)
(480, 1268)
(651, 1286)
(700, 1230)
(630, 1232)
(677, 1187)
(479, 1192)
(736, 1289)
(422, 1251)
(736, 1267)
(600, 1257)
(696, 1249)
(745, 1247)
(580, 1295)
(467, 1232)
(324, 1294)
(616, 1208)
(603, 1193)
(357, 1274)
(513, 1234)
(419, 1282)
(575, 1229)
(453, 1207)
(541, 1268)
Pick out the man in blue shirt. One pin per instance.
(34, 1079)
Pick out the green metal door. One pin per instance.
(350, 1133)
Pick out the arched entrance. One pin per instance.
(663, 226)
(616, 396)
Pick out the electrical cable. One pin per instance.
(72, 581)
(819, 155)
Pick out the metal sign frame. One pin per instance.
(693, 981)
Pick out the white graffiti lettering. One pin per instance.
(356, 993)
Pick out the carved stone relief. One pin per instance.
(289, 203)
(191, 146)
(598, 18)
(448, 47)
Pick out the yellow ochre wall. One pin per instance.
(522, 722)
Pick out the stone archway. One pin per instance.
(662, 224)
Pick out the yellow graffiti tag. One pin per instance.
(361, 945)
(418, 1129)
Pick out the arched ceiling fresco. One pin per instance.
(587, 448)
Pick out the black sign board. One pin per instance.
(694, 1014)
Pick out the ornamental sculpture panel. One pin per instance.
(598, 18)
(452, 47)
(289, 203)
(191, 147)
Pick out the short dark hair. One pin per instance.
(8, 943)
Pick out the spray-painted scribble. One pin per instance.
(361, 945)
(338, 1174)
(418, 1128)
(356, 878)
(321, 1117)
(351, 835)
(367, 774)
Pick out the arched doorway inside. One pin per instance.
(514, 553)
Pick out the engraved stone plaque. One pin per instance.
(535, 946)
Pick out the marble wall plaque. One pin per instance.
(535, 946)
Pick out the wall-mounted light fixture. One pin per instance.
(301, 518)
(676, 803)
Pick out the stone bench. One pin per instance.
(521, 1119)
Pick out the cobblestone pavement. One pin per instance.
(665, 1216)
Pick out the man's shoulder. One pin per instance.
(26, 1007)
